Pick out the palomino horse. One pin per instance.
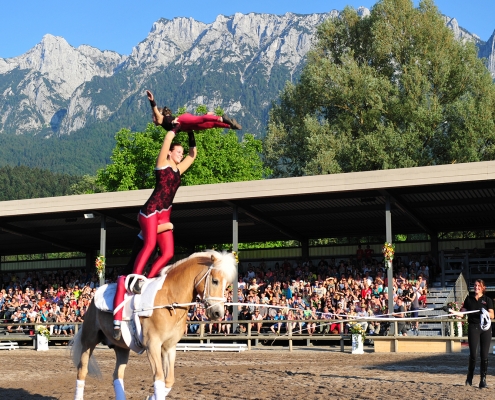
(205, 274)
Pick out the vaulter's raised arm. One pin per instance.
(157, 115)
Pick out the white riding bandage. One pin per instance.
(118, 387)
(485, 322)
(79, 390)
(160, 390)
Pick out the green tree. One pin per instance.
(86, 185)
(221, 158)
(391, 90)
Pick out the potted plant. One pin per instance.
(42, 338)
(461, 322)
(358, 335)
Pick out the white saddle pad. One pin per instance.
(135, 306)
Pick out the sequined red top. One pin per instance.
(167, 183)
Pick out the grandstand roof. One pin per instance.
(431, 199)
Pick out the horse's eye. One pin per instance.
(214, 281)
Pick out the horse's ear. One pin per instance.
(213, 258)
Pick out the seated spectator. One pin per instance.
(311, 325)
(225, 328)
(244, 315)
(257, 317)
(324, 326)
(195, 317)
(50, 320)
(422, 298)
(363, 314)
(278, 325)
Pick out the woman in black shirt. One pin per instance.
(479, 331)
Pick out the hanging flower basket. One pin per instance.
(388, 251)
(100, 266)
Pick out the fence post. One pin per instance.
(249, 336)
(342, 349)
(289, 325)
(201, 332)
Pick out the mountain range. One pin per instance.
(77, 98)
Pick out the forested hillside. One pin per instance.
(27, 183)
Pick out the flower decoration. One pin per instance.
(460, 328)
(43, 331)
(357, 329)
(388, 251)
(454, 306)
(236, 256)
(100, 265)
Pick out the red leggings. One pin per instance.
(165, 241)
(189, 122)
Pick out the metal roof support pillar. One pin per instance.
(434, 255)
(390, 270)
(235, 285)
(441, 261)
(305, 249)
(90, 262)
(103, 245)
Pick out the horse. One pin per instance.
(204, 274)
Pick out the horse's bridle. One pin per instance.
(206, 299)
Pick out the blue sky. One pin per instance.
(120, 25)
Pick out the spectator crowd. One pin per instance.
(326, 291)
(57, 299)
(337, 294)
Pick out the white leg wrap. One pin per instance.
(79, 390)
(118, 387)
(160, 390)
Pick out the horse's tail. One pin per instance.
(76, 350)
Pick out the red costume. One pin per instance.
(156, 211)
(188, 122)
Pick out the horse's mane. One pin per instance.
(224, 261)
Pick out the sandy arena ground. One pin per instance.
(262, 373)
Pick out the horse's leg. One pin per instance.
(154, 351)
(122, 356)
(83, 345)
(82, 371)
(168, 356)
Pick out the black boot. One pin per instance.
(472, 365)
(232, 122)
(483, 369)
(136, 289)
(117, 332)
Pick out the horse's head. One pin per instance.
(212, 285)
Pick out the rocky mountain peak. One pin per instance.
(227, 63)
(460, 33)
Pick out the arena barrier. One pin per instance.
(238, 347)
(287, 338)
(9, 345)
